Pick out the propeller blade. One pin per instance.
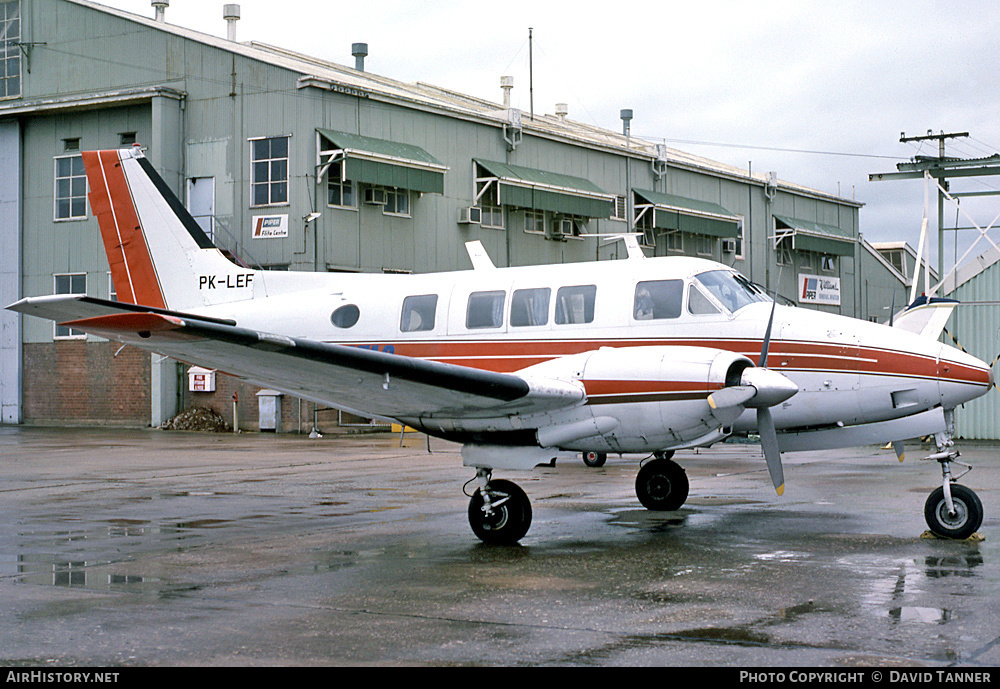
(770, 322)
(769, 443)
(767, 337)
(731, 396)
(897, 445)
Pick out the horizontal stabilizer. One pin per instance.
(925, 317)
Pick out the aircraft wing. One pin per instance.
(360, 380)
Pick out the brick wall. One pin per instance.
(77, 382)
(296, 417)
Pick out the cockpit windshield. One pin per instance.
(732, 289)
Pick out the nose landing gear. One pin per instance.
(952, 510)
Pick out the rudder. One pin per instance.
(157, 253)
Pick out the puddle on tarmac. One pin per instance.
(922, 615)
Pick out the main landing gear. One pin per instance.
(661, 484)
(499, 511)
(952, 510)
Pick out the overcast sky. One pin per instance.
(817, 91)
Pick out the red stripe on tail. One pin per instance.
(128, 255)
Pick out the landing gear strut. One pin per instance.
(499, 511)
(952, 510)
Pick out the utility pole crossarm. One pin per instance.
(903, 138)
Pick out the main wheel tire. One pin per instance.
(505, 524)
(595, 459)
(661, 485)
(968, 515)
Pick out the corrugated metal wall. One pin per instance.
(977, 328)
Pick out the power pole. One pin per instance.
(941, 168)
(940, 138)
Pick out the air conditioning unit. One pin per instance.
(375, 196)
(729, 246)
(470, 215)
(562, 228)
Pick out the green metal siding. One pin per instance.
(975, 325)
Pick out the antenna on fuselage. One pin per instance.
(477, 254)
(629, 238)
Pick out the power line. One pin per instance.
(775, 148)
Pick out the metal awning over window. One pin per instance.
(525, 187)
(380, 162)
(806, 235)
(687, 215)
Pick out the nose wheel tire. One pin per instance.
(595, 459)
(963, 522)
(661, 485)
(507, 519)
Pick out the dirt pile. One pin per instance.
(197, 419)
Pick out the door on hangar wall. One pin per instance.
(201, 203)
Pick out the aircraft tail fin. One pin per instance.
(925, 316)
(158, 254)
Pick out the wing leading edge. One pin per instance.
(361, 380)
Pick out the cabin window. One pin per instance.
(575, 304)
(346, 316)
(655, 299)
(732, 289)
(530, 306)
(699, 304)
(485, 310)
(418, 313)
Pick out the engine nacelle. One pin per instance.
(641, 399)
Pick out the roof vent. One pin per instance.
(562, 109)
(161, 8)
(506, 83)
(626, 116)
(231, 13)
(360, 52)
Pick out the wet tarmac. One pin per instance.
(158, 548)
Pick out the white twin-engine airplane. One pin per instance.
(523, 365)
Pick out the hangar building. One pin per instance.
(291, 162)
